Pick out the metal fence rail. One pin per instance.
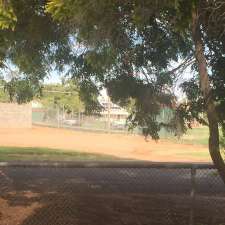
(122, 192)
(57, 117)
(108, 123)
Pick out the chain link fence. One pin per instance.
(105, 121)
(58, 117)
(99, 193)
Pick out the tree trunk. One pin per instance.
(214, 146)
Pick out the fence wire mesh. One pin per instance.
(58, 117)
(101, 122)
(120, 195)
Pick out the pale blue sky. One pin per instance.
(55, 78)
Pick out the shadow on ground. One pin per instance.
(68, 197)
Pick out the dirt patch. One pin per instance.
(111, 209)
(119, 145)
(15, 215)
(66, 196)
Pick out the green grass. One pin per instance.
(199, 155)
(46, 154)
(197, 136)
(194, 136)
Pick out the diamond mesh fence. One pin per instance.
(110, 123)
(57, 117)
(106, 194)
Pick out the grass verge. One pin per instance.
(46, 154)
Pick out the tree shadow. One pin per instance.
(68, 197)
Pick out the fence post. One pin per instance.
(109, 116)
(79, 119)
(193, 193)
(58, 117)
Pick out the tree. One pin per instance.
(4, 97)
(7, 15)
(64, 95)
(129, 46)
(32, 44)
(35, 47)
(212, 116)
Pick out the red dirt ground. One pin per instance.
(92, 210)
(119, 145)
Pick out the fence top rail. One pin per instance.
(108, 164)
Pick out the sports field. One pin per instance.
(69, 195)
(42, 143)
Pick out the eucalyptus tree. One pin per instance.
(31, 46)
(128, 47)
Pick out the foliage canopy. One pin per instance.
(130, 45)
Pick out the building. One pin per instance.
(114, 111)
(36, 104)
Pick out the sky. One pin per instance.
(55, 78)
